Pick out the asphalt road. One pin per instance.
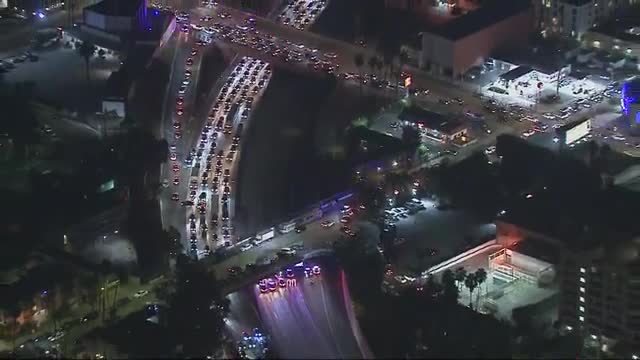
(308, 320)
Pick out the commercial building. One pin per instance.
(117, 16)
(456, 46)
(630, 102)
(435, 126)
(110, 22)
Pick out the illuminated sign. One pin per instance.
(577, 132)
(109, 185)
(407, 82)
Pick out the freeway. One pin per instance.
(286, 46)
(206, 128)
(309, 318)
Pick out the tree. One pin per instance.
(196, 310)
(56, 308)
(364, 267)
(380, 67)
(86, 50)
(481, 277)
(373, 63)
(470, 283)
(460, 275)
(20, 122)
(411, 138)
(450, 290)
(358, 60)
(403, 58)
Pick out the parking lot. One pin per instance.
(59, 64)
(301, 14)
(432, 235)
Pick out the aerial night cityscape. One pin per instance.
(320, 179)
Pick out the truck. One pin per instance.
(287, 227)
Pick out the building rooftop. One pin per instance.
(565, 199)
(487, 15)
(117, 7)
(366, 145)
(431, 120)
(515, 73)
(625, 26)
(577, 2)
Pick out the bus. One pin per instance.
(287, 227)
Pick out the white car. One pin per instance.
(140, 293)
(182, 89)
(287, 251)
(327, 223)
(246, 247)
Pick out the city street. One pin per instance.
(306, 319)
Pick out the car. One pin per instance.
(187, 203)
(175, 167)
(176, 181)
(286, 252)
(177, 125)
(300, 228)
(245, 247)
(180, 101)
(175, 197)
(182, 89)
(186, 81)
(140, 293)
(327, 223)
(189, 61)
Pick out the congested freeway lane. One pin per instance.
(177, 124)
(213, 161)
(305, 319)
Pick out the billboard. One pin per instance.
(3, 4)
(577, 132)
(116, 106)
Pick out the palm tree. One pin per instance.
(449, 288)
(86, 50)
(358, 60)
(481, 277)
(373, 63)
(471, 283)
(403, 58)
(460, 274)
(380, 67)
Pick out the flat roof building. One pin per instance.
(454, 47)
(434, 125)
